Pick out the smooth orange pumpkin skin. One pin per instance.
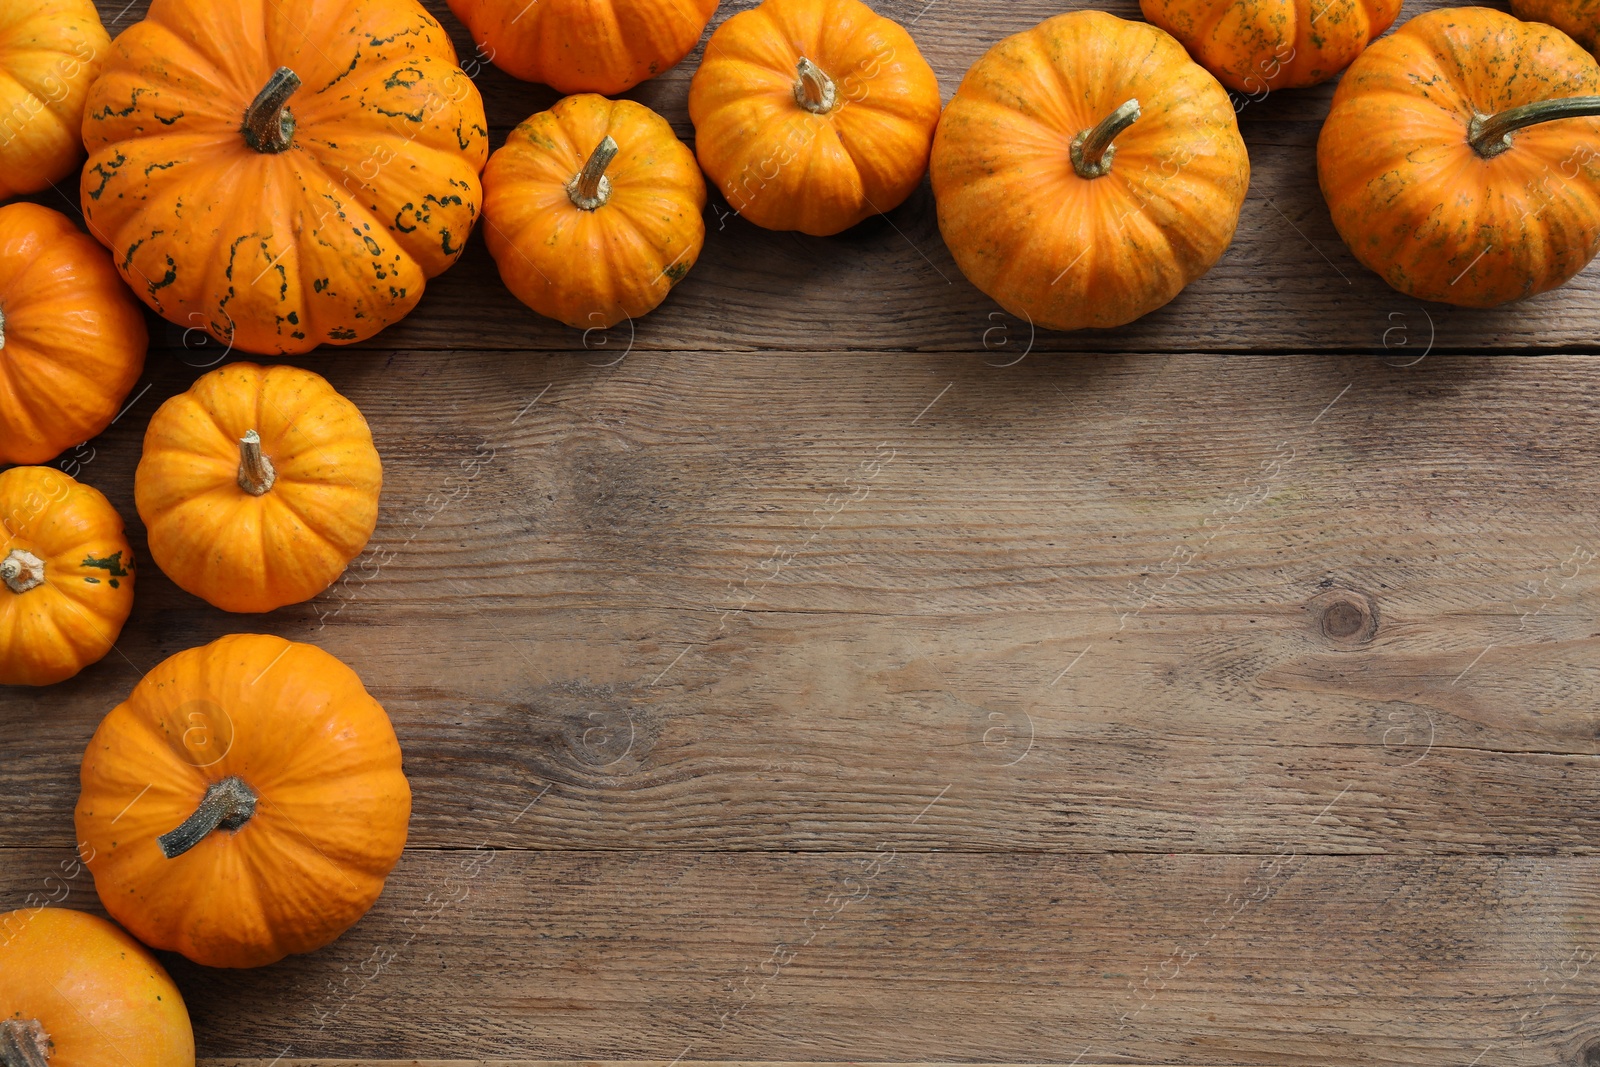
(1418, 205)
(72, 338)
(52, 631)
(592, 269)
(1256, 46)
(100, 996)
(249, 553)
(1578, 19)
(330, 823)
(585, 46)
(50, 52)
(325, 243)
(786, 168)
(1067, 252)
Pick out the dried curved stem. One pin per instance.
(813, 89)
(227, 805)
(23, 1043)
(256, 473)
(1490, 135)
(22, 571)
(268, 122)
(591, 189)
(1093, 149)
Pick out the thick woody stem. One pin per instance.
(22, 571)
(591, 189)
(1490, 135)
(23, 1043)
(227, 805)
(268, 123)
(813, 89)
(256, 474)
(1092, 150)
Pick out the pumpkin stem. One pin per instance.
(1490, 135)
(1092, 150)
(590, 189)
(22, 571)
(814, 90)
(227, 805)
(256, 474)
(24, 1044)
(268, 123)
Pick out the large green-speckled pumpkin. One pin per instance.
(283, 173)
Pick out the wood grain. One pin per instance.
(766, 700)
(895, 956)
(1288, 284)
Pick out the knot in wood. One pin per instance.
(1346, 616)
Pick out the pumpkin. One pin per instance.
(1256, 46)
(66, 576)
(1087, 170)
(246, 802)
(813, 115)
(1578, 19)
(75, 991)
(257, 486)
(585, 46)
(1460, 162)
(72, 339)
(50, 50)
(593, 211)
(283, 173)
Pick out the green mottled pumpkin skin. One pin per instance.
(1578, 19)
(325, 242)
(1418, 204)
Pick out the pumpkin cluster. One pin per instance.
(283, 180)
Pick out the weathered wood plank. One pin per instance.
(1288, 284)
(765, 604)
(891, 956)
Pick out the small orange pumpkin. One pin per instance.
(1256, 46)
(1578, 19)
(813, 115)
(258, 486)
(50, 51)
(1461, 159)
(72, 338)
(585, 46)
(1087, 170)
(66, 576)
(283, 173)
(246, 802)
(593, 211)
(75, 991)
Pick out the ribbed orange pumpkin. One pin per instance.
(72, 338)
(50, 51)
(245, 803)
(593, 211)
(1087, 170)
(283, 173)
(75, 991)
(813, 115)
(66, 576)
(258, 486)
(585, 46)
(1461, 160)
(1256, 46)
(1578, 19)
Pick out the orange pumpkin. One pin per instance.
(246, 802)
(66, 576)
(585, 46)
(1578, 19)
(1461, 159)
(813, 115)
(75, 991)
(1087, 170)
(257, 486)
(72, 339)
(283, 173)
(50, 50)
(1256, 46)
(593, 211)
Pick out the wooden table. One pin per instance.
(827, 668)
